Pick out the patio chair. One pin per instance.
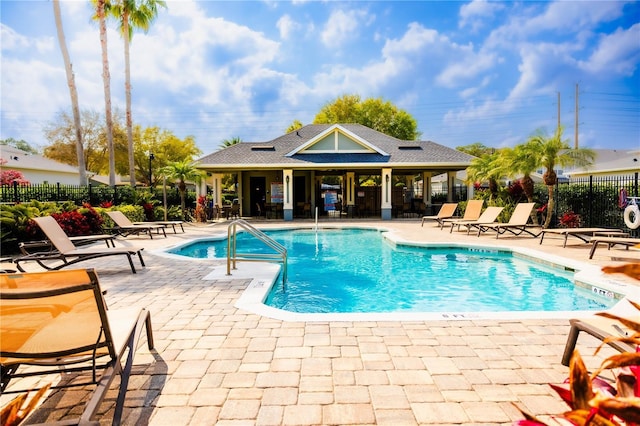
(67, 252)
(612, 241)
(125, 227)
(447, 210)
(517, 222)
(472, 212)
(488, 216)
(601, 328)
(583, 234)
(58, 321)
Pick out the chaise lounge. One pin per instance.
(517, 222)
(612, 241)
(605, 327)
(487, 217)
(125, 227)
(583, 234)
(472, 212)
(58, 321)
(447, 210)
(67, 252)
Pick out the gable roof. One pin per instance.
(365, 148)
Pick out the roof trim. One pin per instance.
(333, 129)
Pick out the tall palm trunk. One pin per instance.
(550, 178)
(106, 79)
(71, 81)
(127, 89)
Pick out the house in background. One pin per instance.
(38, 169)
(610, 162)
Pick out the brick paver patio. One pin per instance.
(216, 364)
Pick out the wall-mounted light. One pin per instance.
(287, 180)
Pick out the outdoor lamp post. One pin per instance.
(151, 157)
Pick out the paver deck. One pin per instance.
(216, 364)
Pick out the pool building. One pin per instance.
(321, 166)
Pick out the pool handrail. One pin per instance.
(233, 256)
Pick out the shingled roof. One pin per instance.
(387, 152)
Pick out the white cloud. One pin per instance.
(287, 26)
(343, 25)
(618, 52)
(473, 14)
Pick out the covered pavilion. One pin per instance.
(320, 167)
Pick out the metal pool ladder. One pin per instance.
(233, 256)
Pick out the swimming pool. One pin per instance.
(360, 271)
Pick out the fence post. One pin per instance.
(590, 198)
(15, 192)
(635, 185)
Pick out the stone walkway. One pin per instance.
(216, 364)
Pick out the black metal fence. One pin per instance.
(596, 200)
(92, 194)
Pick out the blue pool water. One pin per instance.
(356, 270)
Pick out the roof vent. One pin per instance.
(410, 147)
(262, 148)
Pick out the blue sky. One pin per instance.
(488, 72)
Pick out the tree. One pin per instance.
(377, 114)
(522, 160)
(182, 171)
(229, 142)
(20, 144)
(60, 134)
(487, 168)
(8, 177)
(166, 149)
(132, 15)
(476, 149)
(554, 151)
(71, 82)
(295, 125)
(100, 6)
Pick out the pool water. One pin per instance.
(357, 270)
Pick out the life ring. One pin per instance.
(632, 216)
(622, 198)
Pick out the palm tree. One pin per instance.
(554, 151)
(132, 15)
(523, 159)
(101, 7)
(71, 81)
(487, 168)
(229, 142)
(182, 171)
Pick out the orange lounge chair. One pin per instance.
(67, 252)
(488, 216)
(517, 222)
(472, 212)
(447, 210)
(59, 322)
(125, 227)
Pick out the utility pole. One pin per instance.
(576, 126)
(558, 110)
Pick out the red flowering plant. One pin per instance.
(570, 220)
(593, 400)
(201, 209)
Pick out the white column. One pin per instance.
(287, 207)
(350, 187)
(216, 185)
(385, 205)
(426, 187)
(451, 178)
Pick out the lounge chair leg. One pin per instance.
(572, 339)
(140, 257)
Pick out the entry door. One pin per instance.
(258, 193)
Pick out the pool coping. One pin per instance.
(264, 275)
